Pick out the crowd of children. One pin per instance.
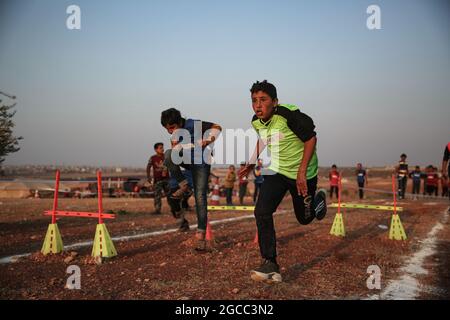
(334, 176)
(433, 181)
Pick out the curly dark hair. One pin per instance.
(171, 116)
(266, 87)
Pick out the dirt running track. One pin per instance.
(315, 265)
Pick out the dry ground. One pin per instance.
(315, 265)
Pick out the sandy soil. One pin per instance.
(314, 264)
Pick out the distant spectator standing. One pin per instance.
(243, 182)
(431, 181)
(334, 181)
(230, 179)
(416, 177)
(160, 175)
(361, 178)
(259, 179)
(437, 178)
(402, 175)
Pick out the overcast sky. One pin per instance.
(94, 96)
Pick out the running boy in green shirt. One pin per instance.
(290, 136)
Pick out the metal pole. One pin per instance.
(395, 194)
(55, 197)
(339, 195)
(99, 190)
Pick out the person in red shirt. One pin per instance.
(160, 180)
(334, 180)
(431, 181)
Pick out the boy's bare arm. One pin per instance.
(149, 168)
(309, 148)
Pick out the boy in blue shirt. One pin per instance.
(416, 176)
(361, 178)
(190, 138)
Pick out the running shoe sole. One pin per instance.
(273, 277)
(321, 207)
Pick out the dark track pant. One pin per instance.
(200, 175)
(161, 187)
(272, 193)
(361, 189)
(242, 193)
(229, 193)
(431, 190)
(334, 189)
(402, 186)
(416, 187)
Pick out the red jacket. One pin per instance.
(432, 179)
(334, 178)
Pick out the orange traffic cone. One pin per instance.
(209, 234)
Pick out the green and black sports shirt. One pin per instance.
(285, 135)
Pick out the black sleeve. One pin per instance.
(301, 124)
(446, 154)
(206, 126)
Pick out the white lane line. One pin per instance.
(408, 286)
